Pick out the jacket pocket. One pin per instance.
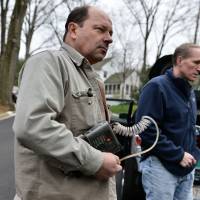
(85, 111)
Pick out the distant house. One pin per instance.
(102, 68)
(114, 85)
(121, 85)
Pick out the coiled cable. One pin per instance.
(135, 130)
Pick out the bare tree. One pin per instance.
(197, 21)
(148, 9)
(73, 3)
(4, 10)
(9, 58)
(172, 23)
(123, 49)
(38, 14)
(70, 4)
(47, 16)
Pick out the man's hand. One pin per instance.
(111, 165)
(188, 160)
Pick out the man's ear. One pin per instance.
(72, 30)
(179, 60)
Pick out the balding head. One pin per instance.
(184, 50)
(89, 31)
(186, 60)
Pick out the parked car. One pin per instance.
(14, 94)
(128, 181)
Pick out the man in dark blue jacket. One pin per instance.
(168, 170)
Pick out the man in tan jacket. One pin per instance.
(54, 108)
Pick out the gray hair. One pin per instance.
(184, 51)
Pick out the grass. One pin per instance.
(122, 108)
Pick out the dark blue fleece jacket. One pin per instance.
(171, 103)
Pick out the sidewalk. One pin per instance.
(196, 192)
(5, 113)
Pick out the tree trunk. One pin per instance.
(28, 44)
(197, 25)
(10, 56)
(4, 11)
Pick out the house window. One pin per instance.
(106, 89)
(118, 88)
(127, 89)
(110, 89)
(114, 89)
(105, 74)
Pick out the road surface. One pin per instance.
(7, 187)
(7, 190)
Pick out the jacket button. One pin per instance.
(89, 102)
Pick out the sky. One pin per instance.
(120, 20)
(108, 5)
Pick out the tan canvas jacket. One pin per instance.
(53, 109)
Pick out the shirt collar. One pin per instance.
(78, 59)
(75, 56)
(182, 84)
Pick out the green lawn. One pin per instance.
(122, 108)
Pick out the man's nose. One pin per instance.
(198, 69)
(108, 38)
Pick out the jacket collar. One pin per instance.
(79, 60)
(182, 84)
(75, 56)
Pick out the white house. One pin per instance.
(117, 85)
(103, 68)
(121, 85)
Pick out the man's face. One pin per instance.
(189, 68)
(94, 36)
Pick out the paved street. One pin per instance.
(7, 190)
(196, 192)
(6, 160)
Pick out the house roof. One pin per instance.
(117, 78)
(98, 66)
